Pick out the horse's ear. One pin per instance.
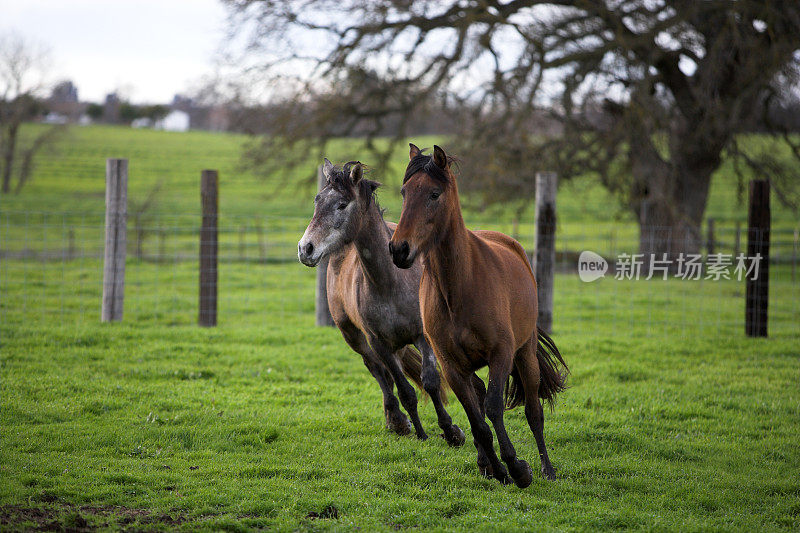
(327, 168)
(414, 151)
(356, 172)
(439, 157)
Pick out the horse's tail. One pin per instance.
(411, 362)
(551, 379)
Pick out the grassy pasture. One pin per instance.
(673, 420)
(266, 420)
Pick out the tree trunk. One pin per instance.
(8, 156)
(672, 194)
(671, 225)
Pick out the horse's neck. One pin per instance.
(372, 247)
(448, 265)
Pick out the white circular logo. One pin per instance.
(591, 266)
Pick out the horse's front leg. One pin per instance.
(484, 466)
(406, 392)
(500, 365)
(431, 382)
(462, 386)
(396, 421)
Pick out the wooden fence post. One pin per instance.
(262, 243)
(162, 246)
(545, 245)
(758, 230)
(242, 230)
(710, 236)
(116, 239)
(209, 193)
(71, 244)
(794, 252)
(321, 310)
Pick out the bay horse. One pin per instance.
(478, 303)
(373, 303)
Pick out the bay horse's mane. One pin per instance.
(339, 179)
(425, 163)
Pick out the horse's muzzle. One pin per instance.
(401, 254)
(305, 253)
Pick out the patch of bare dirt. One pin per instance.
(73, 518)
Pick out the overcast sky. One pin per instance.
(150, 49)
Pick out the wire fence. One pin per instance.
(51, 272)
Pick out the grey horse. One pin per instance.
(373, 303)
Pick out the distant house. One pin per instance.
(64, 93)
(55, 118)
(174, 121)
(63, 105)
(142, 122)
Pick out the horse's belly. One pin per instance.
(384, 320)
(456, 347)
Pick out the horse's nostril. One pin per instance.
(309, 249)
(399, 251)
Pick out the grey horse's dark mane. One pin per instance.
(339, 179)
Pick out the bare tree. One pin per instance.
(648, 94)
(142, 213)
(22, 66)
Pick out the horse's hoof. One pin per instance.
(523, 474)
(400, 426)
(549, 473)
(503, 476)
(486, 471)
(454, 436)
(422, 436)
(505, 480)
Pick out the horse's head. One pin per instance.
(338, 211)
(430, 200)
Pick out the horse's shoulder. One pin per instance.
(342, 267)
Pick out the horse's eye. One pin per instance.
(341, 206)
(435, 195)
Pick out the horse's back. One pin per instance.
(503, 244)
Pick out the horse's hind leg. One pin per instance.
(431, 382)
(528, 367)
(408, 396)
(396, 421)
(499, 370)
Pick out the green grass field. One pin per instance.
(267, 419)
(673, 420)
